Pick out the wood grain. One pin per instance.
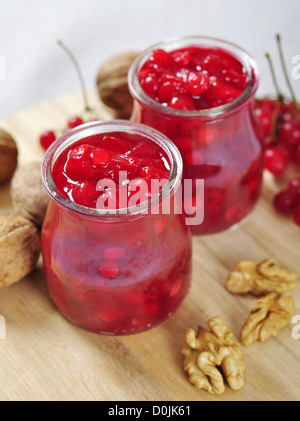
(44, 357)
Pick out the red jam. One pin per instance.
(193, 78)
(79, 168)
(112, 274)
(222, 147)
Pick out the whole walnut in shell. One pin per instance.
(28, 194)
(113, 85)
(8, 156)
(19, 248)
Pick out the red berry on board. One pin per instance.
(74, 122)
(294, 184)
(47, 138)
(284, 201)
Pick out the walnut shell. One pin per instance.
(19, 248)
(8, 156)
(28, 194)
(112, 84)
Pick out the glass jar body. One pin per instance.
(116, 274)
(222, 146)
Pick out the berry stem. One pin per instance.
(79, 73)
(280, 97)
(285, 72)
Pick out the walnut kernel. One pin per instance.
(270, 314)
(260, 278)
(209, 354)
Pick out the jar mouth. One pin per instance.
(111, 126)
(171, 44)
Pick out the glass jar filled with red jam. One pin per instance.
(117, 254)
(199, 92)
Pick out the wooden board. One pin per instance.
(44, 357)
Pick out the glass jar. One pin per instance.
(151, 249)
(220, 145)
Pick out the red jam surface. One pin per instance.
(193, 78)
(225, 150)
(80, 167)
(120, 276)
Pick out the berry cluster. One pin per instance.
(287, 201)
(193, 78)
(280, 122)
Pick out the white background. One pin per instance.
(38, 70)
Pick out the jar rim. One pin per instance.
(111, 126)
(178, 42)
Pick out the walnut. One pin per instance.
(8, 156)
(19, 248)
(270, 314)
(260, 278)
(29, 197)
(113, 85)
(212, 355)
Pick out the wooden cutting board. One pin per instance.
(44, 357)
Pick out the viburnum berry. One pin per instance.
(288, 201)
(284, 202)
(74, 121)
(275, 160)
(47, 138)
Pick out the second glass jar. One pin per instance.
(220, 145)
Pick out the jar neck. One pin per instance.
(105, 127)
(175, 43)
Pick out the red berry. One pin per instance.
(290, 133)
(85, 194)
(100, 157)
(297, 215)
(153, 173)
(74, 122)
(197, 83)
(275, 160)
(113, 144)
(113, 253)
(79, 165)
(109, 269)
(265, 119)
(284, 202)
(182, 102)
(149, 82)
(47, 138)
(294, 184)
(160, 59)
